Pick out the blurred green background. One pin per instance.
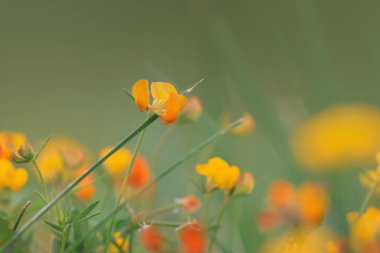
(63, 65)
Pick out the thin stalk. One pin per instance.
(66, 233)
(164, 139)
(367, 200)
(130, 243)
(123, 185)
(161, 211)
(207, 204)
(35, 164)
(43, 210)
(158, 178)
(217, 225)
(23, 210)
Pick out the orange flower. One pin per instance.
(86, 189)
(167, 103)
(140, 173)
(151, 239)
(192, 238)
(245, 127)
(306, 205)
(190, 204)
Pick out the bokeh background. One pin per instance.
(63, 65)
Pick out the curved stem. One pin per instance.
(123, 185)
(35, 164)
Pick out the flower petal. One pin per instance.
(161, 91)
(174, 106)
(140, 92)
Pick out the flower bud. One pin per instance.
(190, 204)
(192, 238)
(245, 184)
(151, 239)
(23, 155)
(192, 110)
(245, 127)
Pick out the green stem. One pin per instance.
(367, 200)
(217, 225)
(66, 232)
(35, 164)
(207, 204)
(164, 139)
(130, 243)
(123, 185)
(23, 210)
(158, 178)
(43, 210)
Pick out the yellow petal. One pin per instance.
(161, 91)
(18, 179)
(118, 162)
(140, 92)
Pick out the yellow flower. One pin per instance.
(120, 241)
(365, 230)
(11, 142)
(340, 136)
(11, 178)
(300, 240)
(118, 162)
(220, 173)
(167, 103)
(62, 156)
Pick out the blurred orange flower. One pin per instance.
(140, 173)
(86, 189)
(190, 204)
(151, 239)
(192, 238)
(245, 184)
(167, 103)
(338, 137)
(11, 178)
(285, 204)
(219, 173)
(192, 110)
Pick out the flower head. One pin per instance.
(11, 178)
(245, 184)
(167, 103)
(285, 204)
(219, 173)
(340, 136)
(140, 173)
(151, 239)
(192, 238)
(118, 162)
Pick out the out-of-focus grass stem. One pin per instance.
(217, 224)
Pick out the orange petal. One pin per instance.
(140, 173)
(161, 91)
(173, 107)
(140, 92)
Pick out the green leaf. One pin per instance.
(129, 94)
(54, 226)
(88, 217)
(85, 211)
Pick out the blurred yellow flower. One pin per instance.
(121, 243)
(300, 241)
(167, 103)
(365, 230)
(219, 173)
(337, 137)
(11, 142)
(118, 162)
(11, 178)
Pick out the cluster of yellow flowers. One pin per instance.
(11, 178)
